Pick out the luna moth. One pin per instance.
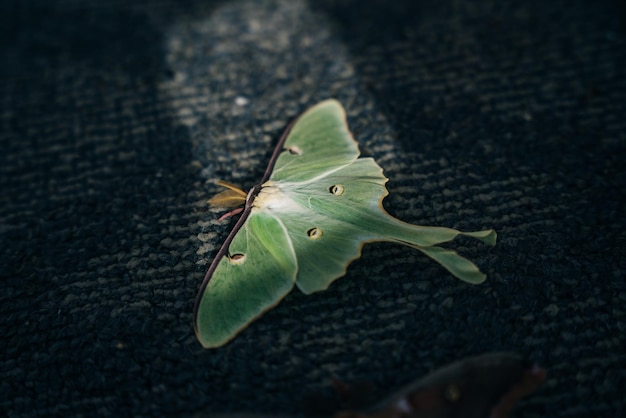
(316, 206)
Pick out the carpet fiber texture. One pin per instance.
(116, 117)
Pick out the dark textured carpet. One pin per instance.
(115, 119)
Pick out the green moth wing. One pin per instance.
(235, 295)
(317, 143)
(344, 208)
(316, 207)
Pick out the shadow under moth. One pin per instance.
(316, 206)
(484, 386)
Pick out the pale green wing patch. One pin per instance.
(256, 273)
(324, 248)
(318, 141)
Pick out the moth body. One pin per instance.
(273, 199)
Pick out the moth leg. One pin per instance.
(229, 214)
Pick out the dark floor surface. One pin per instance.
(115, 119)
